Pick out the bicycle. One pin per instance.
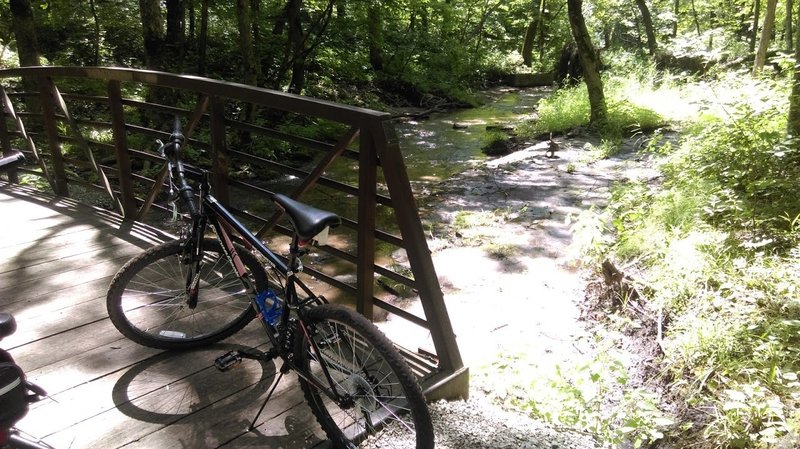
(16, 392)
(198, 290)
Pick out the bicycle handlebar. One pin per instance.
(172, 151)
(11, 160)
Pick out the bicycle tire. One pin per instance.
(146, 300)
(385, 395)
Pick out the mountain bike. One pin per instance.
(16, 392)
(200, 289)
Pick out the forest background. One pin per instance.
(711, 247)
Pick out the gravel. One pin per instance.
(479, 424)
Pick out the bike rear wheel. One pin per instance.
(381, 394)
(148, 303)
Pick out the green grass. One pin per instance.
(634, 105)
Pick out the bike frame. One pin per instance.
(225, 225)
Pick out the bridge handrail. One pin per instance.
(50, 124)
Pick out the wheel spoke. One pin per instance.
(148, 302)
(376, 385)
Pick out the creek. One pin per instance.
(447, 143)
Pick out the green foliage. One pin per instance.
(495, 143)
(717, 245)
(751, 172)
(594, 396)
(628, 113)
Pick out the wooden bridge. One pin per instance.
(58, 259)
(59, 255)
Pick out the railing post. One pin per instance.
(367, 204)
(220, 163)
(127, 198)
(407, 215)
(6, 141)
(46, 93)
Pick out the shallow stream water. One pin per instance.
(446, 143)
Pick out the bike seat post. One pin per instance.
(294, 253)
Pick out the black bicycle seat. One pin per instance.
(7, 325)
(308, 221)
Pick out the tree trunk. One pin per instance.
(485, 13)
(25, 32)
(541, 27)
(191, 10)
(766, 36)
(202, 44)
(175, 37)
(591, 64)
(676, 10)
(793, 122)
(250, 65)
(530, 38)
(96, 43)
(754, 32)
(152, 32)
(647, 21)
(696, 19)
(296, 45)
(27, 46)
(375, 34)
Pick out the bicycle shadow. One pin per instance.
(179, 399)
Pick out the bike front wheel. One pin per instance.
(147, 300)
(377, 392)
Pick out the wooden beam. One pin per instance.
(51, 127)
(367, 208)
(127, 198)
(220, 162)
(314, 175)
(416, 246)
(8, 108)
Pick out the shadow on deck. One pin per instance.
(58, 259)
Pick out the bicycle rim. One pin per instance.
(381, 393)
(148, 302)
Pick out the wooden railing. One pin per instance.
(92, 129)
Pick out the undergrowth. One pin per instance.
(715, 248)
(629, 97)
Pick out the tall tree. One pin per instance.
(676, 11)
(590, 62)
(25, 32)
(175, 36)
(375, 34)
(766, 36)
(96, 43)
(152, 32)
(202, 44)
(250, 65)
(530, 37)
(296, 45)
(647, 21)
(754, 30)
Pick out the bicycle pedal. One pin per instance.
(228, 360)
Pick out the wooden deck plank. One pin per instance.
(58, 258)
